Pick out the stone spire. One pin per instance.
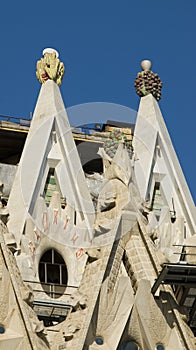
(50, 147)
(148, 82)
(50, 67)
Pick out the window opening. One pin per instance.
(130, 346)
(157, 200)
(50, 186)
(53, 273)
(75, 217)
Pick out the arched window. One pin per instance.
(53, 273)
(130, 345)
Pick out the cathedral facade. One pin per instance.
(101, 254)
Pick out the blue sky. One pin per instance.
(101, 44)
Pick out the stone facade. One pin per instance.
(85, 265)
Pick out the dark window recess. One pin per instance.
(53, 273)
(109, 207)
(90, 160)
(129, 346)
(11, 145)
(93, 166)
(50, 186)
(47, 256)
(75, 217)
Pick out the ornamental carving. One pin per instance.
(50, 67)
(148, 82)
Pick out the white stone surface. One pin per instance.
(156, 160)
(49, 143)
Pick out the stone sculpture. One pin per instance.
(148, 82)
(50, 67)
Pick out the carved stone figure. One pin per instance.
(50, 67)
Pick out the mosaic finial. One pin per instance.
(148, 82)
